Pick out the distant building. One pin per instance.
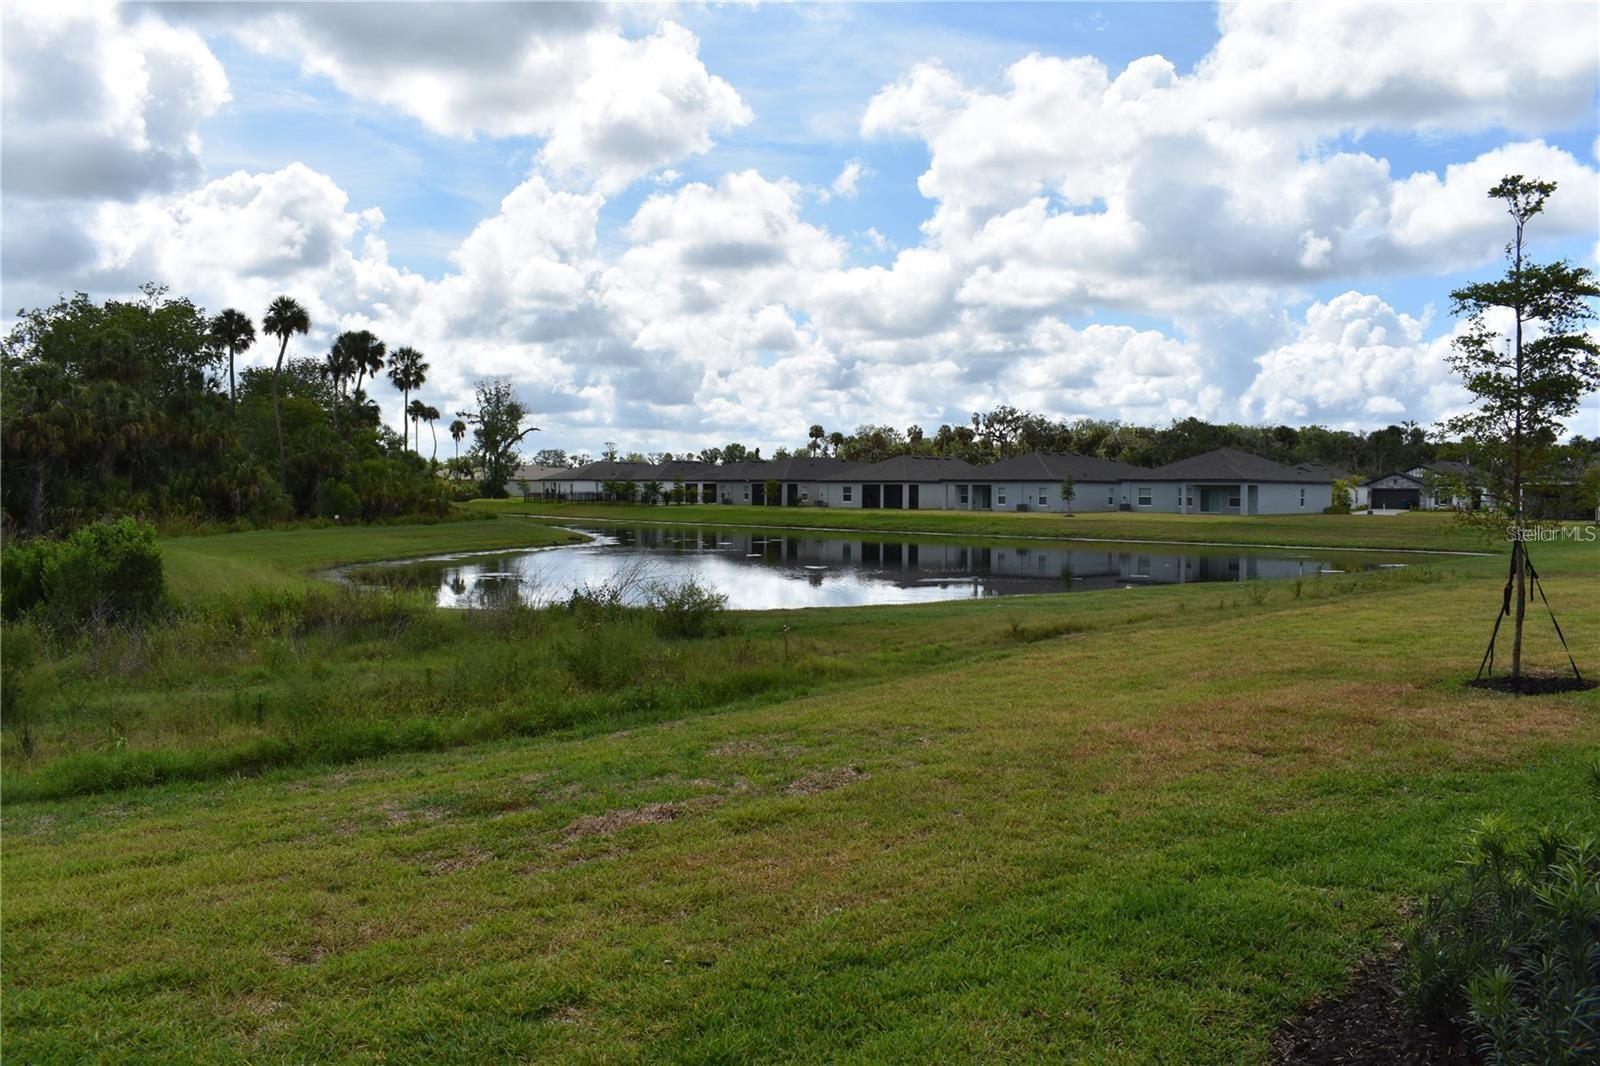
(1226, 481)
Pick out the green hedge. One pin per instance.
(109, 571)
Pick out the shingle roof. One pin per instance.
(1230, 464)
(907, 468)
(1055, 467)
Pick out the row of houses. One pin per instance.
(1225, 481)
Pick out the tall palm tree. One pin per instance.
(408, 371)
(415, 410)
(283, 320)
(367, 354)
(458, 430)
(340, 362)
(430, 415)
(233, 330)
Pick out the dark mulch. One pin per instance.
(1365, 1025)
(1534, 684)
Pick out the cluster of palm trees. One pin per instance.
(355, 355)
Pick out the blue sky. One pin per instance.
(1269, 216)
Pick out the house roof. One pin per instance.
(1394, 473)
(1230, 464)
(907, 468)
(1056, 467)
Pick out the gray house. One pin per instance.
(1228, 481)
(1036, 482)
(906, 482)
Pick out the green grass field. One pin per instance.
(1116, 826)
(226, 562)
(1417, 531)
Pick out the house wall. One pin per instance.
(1255, 497)
(1087, 496)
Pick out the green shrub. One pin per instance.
(109, 571)
(685, 610)
(335, 499)
(1508, 957)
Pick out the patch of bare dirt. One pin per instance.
(817, 781)
(1534, 684)
(1366, 1026)
(465, 859)
(599, 825)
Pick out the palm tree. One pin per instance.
(430, 415)
(817, 434)
(408, 371)
(233, 330)
(415, 411)
(836, 441)
(283, 320)
(458, 429)
(366, 355)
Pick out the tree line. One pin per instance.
(1005, 431)
(138, 407)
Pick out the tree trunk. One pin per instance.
(233, 392)
(1519, 549)
(405, 398)
(277, 418)
(435, 434)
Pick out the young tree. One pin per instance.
(283, 319)
(497, 431)
(233, 330)
(1069, 492)
(1528, 381)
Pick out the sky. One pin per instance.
(674, 226)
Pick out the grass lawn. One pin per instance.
(1417, 531)
(1118, 826)
(284, 557)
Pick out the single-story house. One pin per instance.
(524, 482)
(906, 482)
(800, 480)
(1037, 481)
(1228, 481)
(1429, 487)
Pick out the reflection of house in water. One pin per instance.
(991, 570)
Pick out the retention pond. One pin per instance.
(766, 569)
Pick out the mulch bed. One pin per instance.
(1534, 684)
(1365, 1025)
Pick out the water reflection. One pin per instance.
(762, 571)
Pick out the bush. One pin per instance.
(1508, 957)
(686, 610)
(335, 499)
(109, 571)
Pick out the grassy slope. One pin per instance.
(1120, 844)
(1417, 531)
(210, 564)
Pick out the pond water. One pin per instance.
(764, 570)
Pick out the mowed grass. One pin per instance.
(1416, 531)
(1145, 841)
(286, 558)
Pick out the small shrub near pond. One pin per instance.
(1507, 958)
(686, 610)
(103, 573)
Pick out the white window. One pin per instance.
(747, 492)
(848, 490)
(1000, 496)
(1111, 499)
(1144, 495)
(1044, 500)
(1233, 499)
(964, 490)
(805, 496)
